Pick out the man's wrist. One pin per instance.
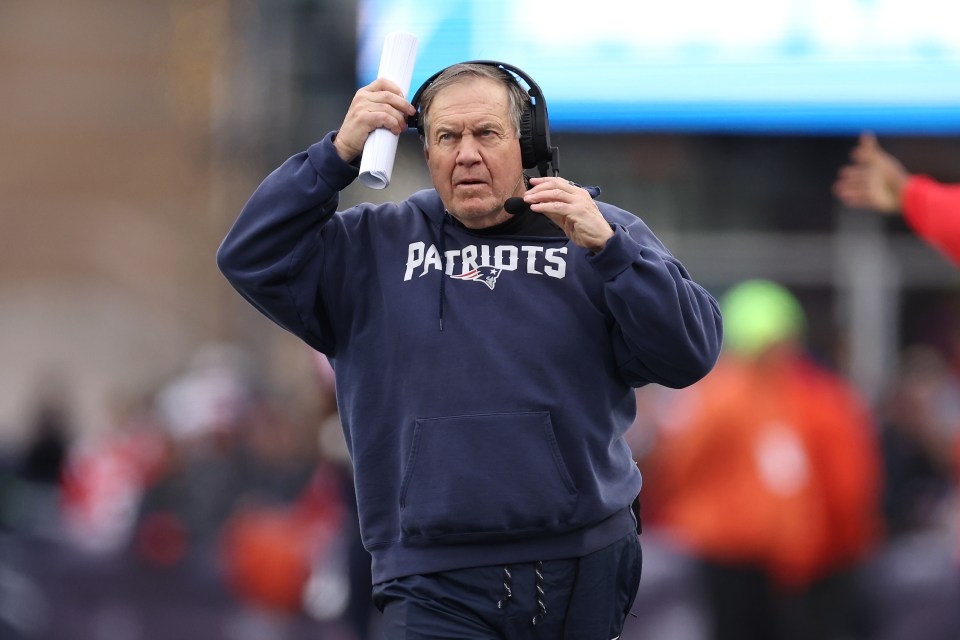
(347, 155)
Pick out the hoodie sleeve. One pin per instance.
(273, 253)
(932, 209)
(667, 328)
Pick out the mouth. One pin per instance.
(469, 183)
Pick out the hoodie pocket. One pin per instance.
(485, 477)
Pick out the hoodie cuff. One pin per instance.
(330, 166)
(617, 255)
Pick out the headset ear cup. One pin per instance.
(528, 152)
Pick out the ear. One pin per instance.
(426, 148)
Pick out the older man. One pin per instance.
(485, 360)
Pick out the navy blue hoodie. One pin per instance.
(484, 383)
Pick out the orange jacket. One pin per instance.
(775, 466)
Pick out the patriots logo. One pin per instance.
(486, 275)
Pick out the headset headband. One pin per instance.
(535, 146)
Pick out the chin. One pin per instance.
(475, 210)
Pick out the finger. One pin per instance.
(548, 194)
(386, 86)
(853, 173)
(869, 150)
(383, 91)
(851, 186)
(386, 116)
(554, 182)
(552, 206)
(853, 194)
(544, 189)
(367, 98)
(373, 114)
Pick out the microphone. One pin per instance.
(516, 206)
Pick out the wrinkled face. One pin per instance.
(473, 152)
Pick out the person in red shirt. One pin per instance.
(876, 180)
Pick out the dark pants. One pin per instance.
(741, 600)
(584, 598)
(744, 604)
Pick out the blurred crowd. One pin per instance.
(781, 505)
(778, 503)
(212, 507)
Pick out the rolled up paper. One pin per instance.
(380, 149)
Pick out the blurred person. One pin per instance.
(269, 549)
(877, 180)
(211, 395)
(767, 473)
(914, 582)
(106, 475)
(227, 443)
(485, 423)
(30, 483)
(920, 416)
(30, 495)
(50, 434)
(297, 555)
(359, 608)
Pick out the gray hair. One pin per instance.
(517, 97)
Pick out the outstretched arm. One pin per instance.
(876, 180)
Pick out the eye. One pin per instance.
(446, 137)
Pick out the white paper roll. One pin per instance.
(380, 149)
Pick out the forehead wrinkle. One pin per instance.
(470, 126)
(478, 97)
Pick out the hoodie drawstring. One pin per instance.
(507, 589)
(443, 272)
(541, 604)
(541, 594)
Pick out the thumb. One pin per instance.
(867, 149)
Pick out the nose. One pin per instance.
(468, 152)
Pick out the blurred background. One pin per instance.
(172, 465)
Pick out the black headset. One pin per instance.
(535, 147)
